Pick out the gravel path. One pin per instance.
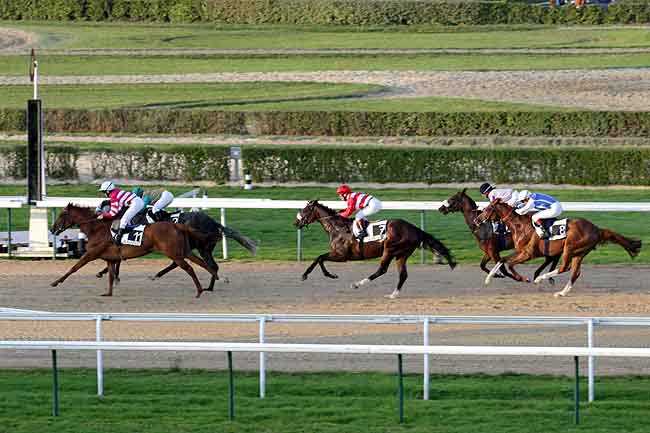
(612, 89)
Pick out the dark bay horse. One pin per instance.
(205, 245)
(487, 240)
(402, 238)
(171, 239)
(582, 237)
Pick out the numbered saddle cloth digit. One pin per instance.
(376, 231)
(558, 230)
(133, 236)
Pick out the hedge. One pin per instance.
(343, 12)
(441, 165)
(577, 124)
(174, 163)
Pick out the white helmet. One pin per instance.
(523, 194)
(107, 186)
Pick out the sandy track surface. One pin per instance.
(276, 288)
(610, 89)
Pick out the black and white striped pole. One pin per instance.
(248, 182)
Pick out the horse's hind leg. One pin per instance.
(187, 268)
(403, 275)
(102, 272)
(576, 262)
(204, 265)
(111, 267)
(553, 261)
(383, 268)
(320, 261)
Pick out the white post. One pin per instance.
(591, 361)
(262, 360)
(100, 359)
(224, 242)
(425, 391)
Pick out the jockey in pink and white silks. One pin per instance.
(119, 199)
(543, 205)
(365, 204)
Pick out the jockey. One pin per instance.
(507, 195)
(365, 203)
(159, 198)
(119, 199)
(544, 207)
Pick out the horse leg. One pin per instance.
(111, 277)
(117, 272)
(492, 251)
(576, 262)
(320, 261)
(207, 257)
(553, 261)
(403, 275)
(484, 262)
(102, 272)
(511, 261)
(383, 267)
(204, 265)
(165, 271)
(187, 268)
(85, 259)
(566, 260)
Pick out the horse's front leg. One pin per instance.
(112, 269)
(86, 258)
(383, 268)
(553, 261)
(320, 261)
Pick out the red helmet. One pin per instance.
(343, 189)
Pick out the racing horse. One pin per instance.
(581, 238)
(171, 239)
(402, 238)
(487, 240)
(203, 223)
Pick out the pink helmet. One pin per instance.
(343, 189)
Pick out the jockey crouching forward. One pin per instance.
(543, 205)
(365, 203)
(120, 199)
(507, 195)
(158, 198)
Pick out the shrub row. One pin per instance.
(585, 124)
(576, 166)
(345, 12)
(173, 163)
(438, 165)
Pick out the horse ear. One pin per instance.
(464, 191)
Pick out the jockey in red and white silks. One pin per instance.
(119, 199)
(365, 204)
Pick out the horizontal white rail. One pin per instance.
(256, 203)
(27, 315)
(369, 349)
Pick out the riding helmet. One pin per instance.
(485, 188)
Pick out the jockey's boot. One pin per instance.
(118, 237)
(546, 232)
(159, 216)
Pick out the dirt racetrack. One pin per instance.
(265, 287)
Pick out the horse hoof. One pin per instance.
(538, 280)
(558, 294)
(304, 277)
(226, 280)
(198, 295)
(551, 281)
(333, 276)
(488, 280)
(392, 295)
(99, 274)
(528, 280)
(106, 294)
(153, 278)
(54, 284)
(354, 286)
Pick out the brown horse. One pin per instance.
(402, 238)
(582, 237)
(487, 240)
(173, 240)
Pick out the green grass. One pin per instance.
(247, 96)
(60, 35)
(193, 401)
(188, 96)
(274, 228)
(121, 65)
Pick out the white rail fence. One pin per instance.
(588, 323)
(257, 203)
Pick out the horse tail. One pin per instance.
(632, 246)
(244, 241)
(437, 247)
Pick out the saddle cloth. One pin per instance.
(132, 236)
(376, 231)
(558, 229)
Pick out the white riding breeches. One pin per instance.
(372, 207)
(165, 199)
(136, 206)
(552, 212)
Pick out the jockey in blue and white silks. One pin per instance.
(543, 205)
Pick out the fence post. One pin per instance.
(425, 391)
(231, 390)
(299, 246)
(224, 242)
(422, 255)
(55, 385)
(9, 232)
(577, 390)
(400, 391)
(591, 362)
(53, 212)
(262, 359)
(100, 358)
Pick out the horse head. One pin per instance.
(497, 210)
(456, 202)
(307, 215)
(71, 215)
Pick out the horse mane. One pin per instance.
(471, 200)
(330, 211)
(80, 208)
